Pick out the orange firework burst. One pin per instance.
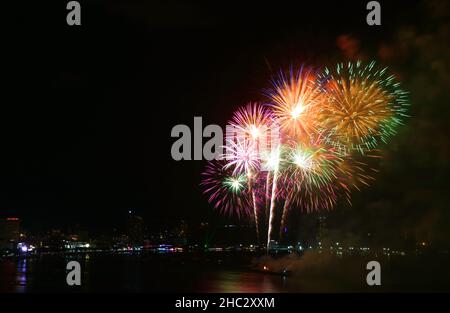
(295, 100)
(363, 105)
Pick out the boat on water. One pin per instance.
(267, 270)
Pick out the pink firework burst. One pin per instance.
(226, 190)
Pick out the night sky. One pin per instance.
(87, 111)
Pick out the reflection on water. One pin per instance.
(233, 281)
(21, 275)
(130, 273)
(14, 275)
(185, 273)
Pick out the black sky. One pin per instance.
(88, 110)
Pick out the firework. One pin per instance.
(308, 177)
(298, 149)
(252, 129)
(363, 106)
(241, 155)
(295, 99)
(253, 122)
(227, 191)
(312, 164)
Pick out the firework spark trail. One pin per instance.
(273, 163)
(272, 209)
(284, 215)
(254, 203)
(267, 196)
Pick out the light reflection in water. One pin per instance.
(231, 281)
(21, 275)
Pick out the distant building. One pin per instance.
(53, 240)
(135, 229)
(78, 235)
(9, 232)
(120, 241)
(322, 232)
